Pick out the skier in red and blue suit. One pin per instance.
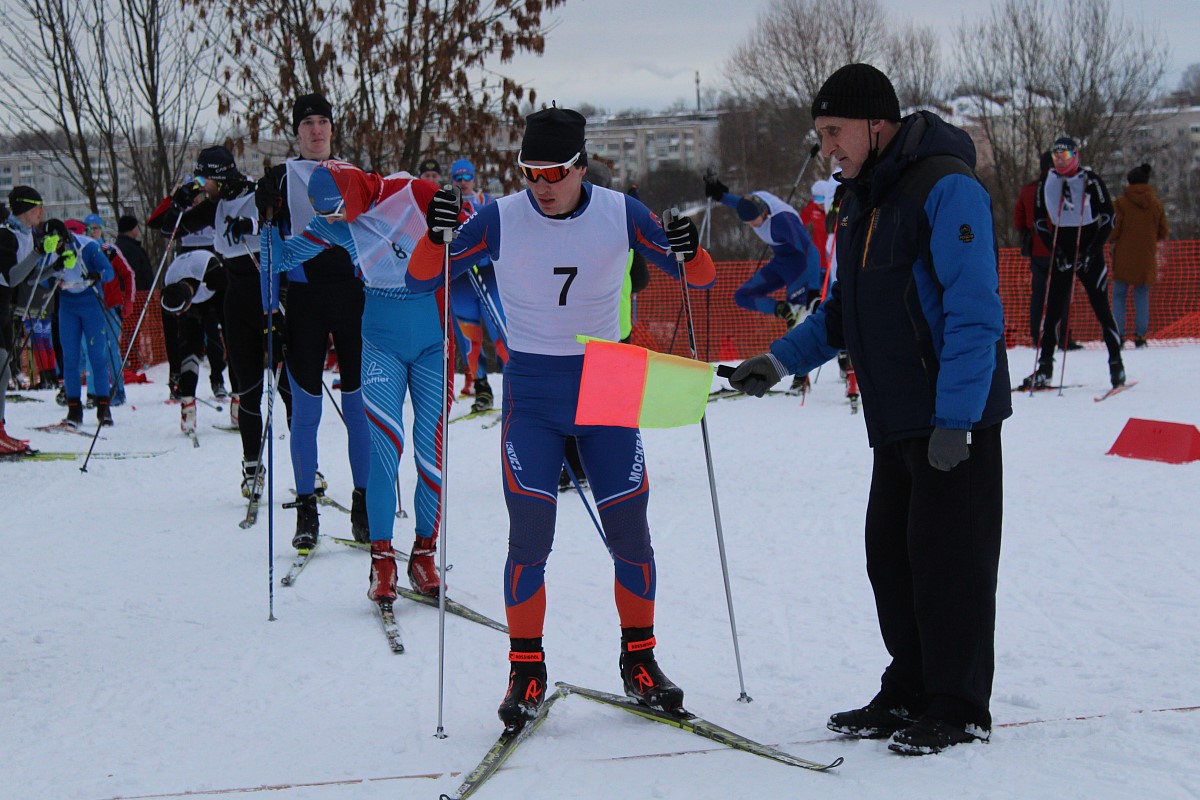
(378, 221)
(561, 252)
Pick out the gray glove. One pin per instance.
(948, 448)
(755, 375)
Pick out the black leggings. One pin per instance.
(315, 312)
(244, 322)
(1092, 274)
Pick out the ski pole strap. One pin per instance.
(645, 644)
(517, 655)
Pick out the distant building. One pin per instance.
(48, 173)
(639, 145)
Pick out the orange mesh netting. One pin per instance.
(725, 332)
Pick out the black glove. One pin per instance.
(92, 278)
(714, 188)
(274, 323)
(441, 215)
(948, 448)
(236, 228)
(755, 375)
(783, 310)
(267, 198)
(683, 237)
(185, 195)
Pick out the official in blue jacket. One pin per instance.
(917, 305)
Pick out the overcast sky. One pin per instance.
(619, 54)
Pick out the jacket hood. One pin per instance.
(361, 190)
(1140, 194)
(921, 135)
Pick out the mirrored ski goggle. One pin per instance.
(552, 173)
(1066, 151)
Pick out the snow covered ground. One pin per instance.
(137, 659)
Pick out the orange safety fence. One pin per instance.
(725, 332)
(150, 349)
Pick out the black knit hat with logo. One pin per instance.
(308, 105)
(857, 91)
(23, 198)
(217, 163)
(554, 135)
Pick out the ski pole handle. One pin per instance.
(448, 233)
(669, 218)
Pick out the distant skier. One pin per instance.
(1074, 216)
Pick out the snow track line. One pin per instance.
(277, 787)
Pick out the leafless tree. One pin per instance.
(168, 59)
(100, 96)
(913, 62)
(797, 44)
(1037, 70)
(49, 70)
(1188, 91)
(403, 76)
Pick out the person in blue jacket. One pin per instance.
(917, 305)
(80, 267)
(795, 264)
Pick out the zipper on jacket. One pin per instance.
(870, 230)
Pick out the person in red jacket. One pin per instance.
(1036, 250)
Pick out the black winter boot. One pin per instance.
(928, 735)
(526, 684)
(359, 526)
(1116, 372)
(878, 719)
(308, 523)
(74, 412)
(103, 412)
(643, 679)
(483, 396)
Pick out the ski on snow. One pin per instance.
(474, 414)
(325, 500)
(500, 751)
(687, 721)
(49, 455)
(251, 514)
(298, 565)
(453, 607)
(387, 618)
(64, 427)
(1115, 390)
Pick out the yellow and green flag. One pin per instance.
(632, 387)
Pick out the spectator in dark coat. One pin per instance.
(129, 242)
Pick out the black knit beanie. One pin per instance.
(1140, 174)
(23, 198)
(857, 91)
(126, 223)
(308, 105)
(554, 135)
